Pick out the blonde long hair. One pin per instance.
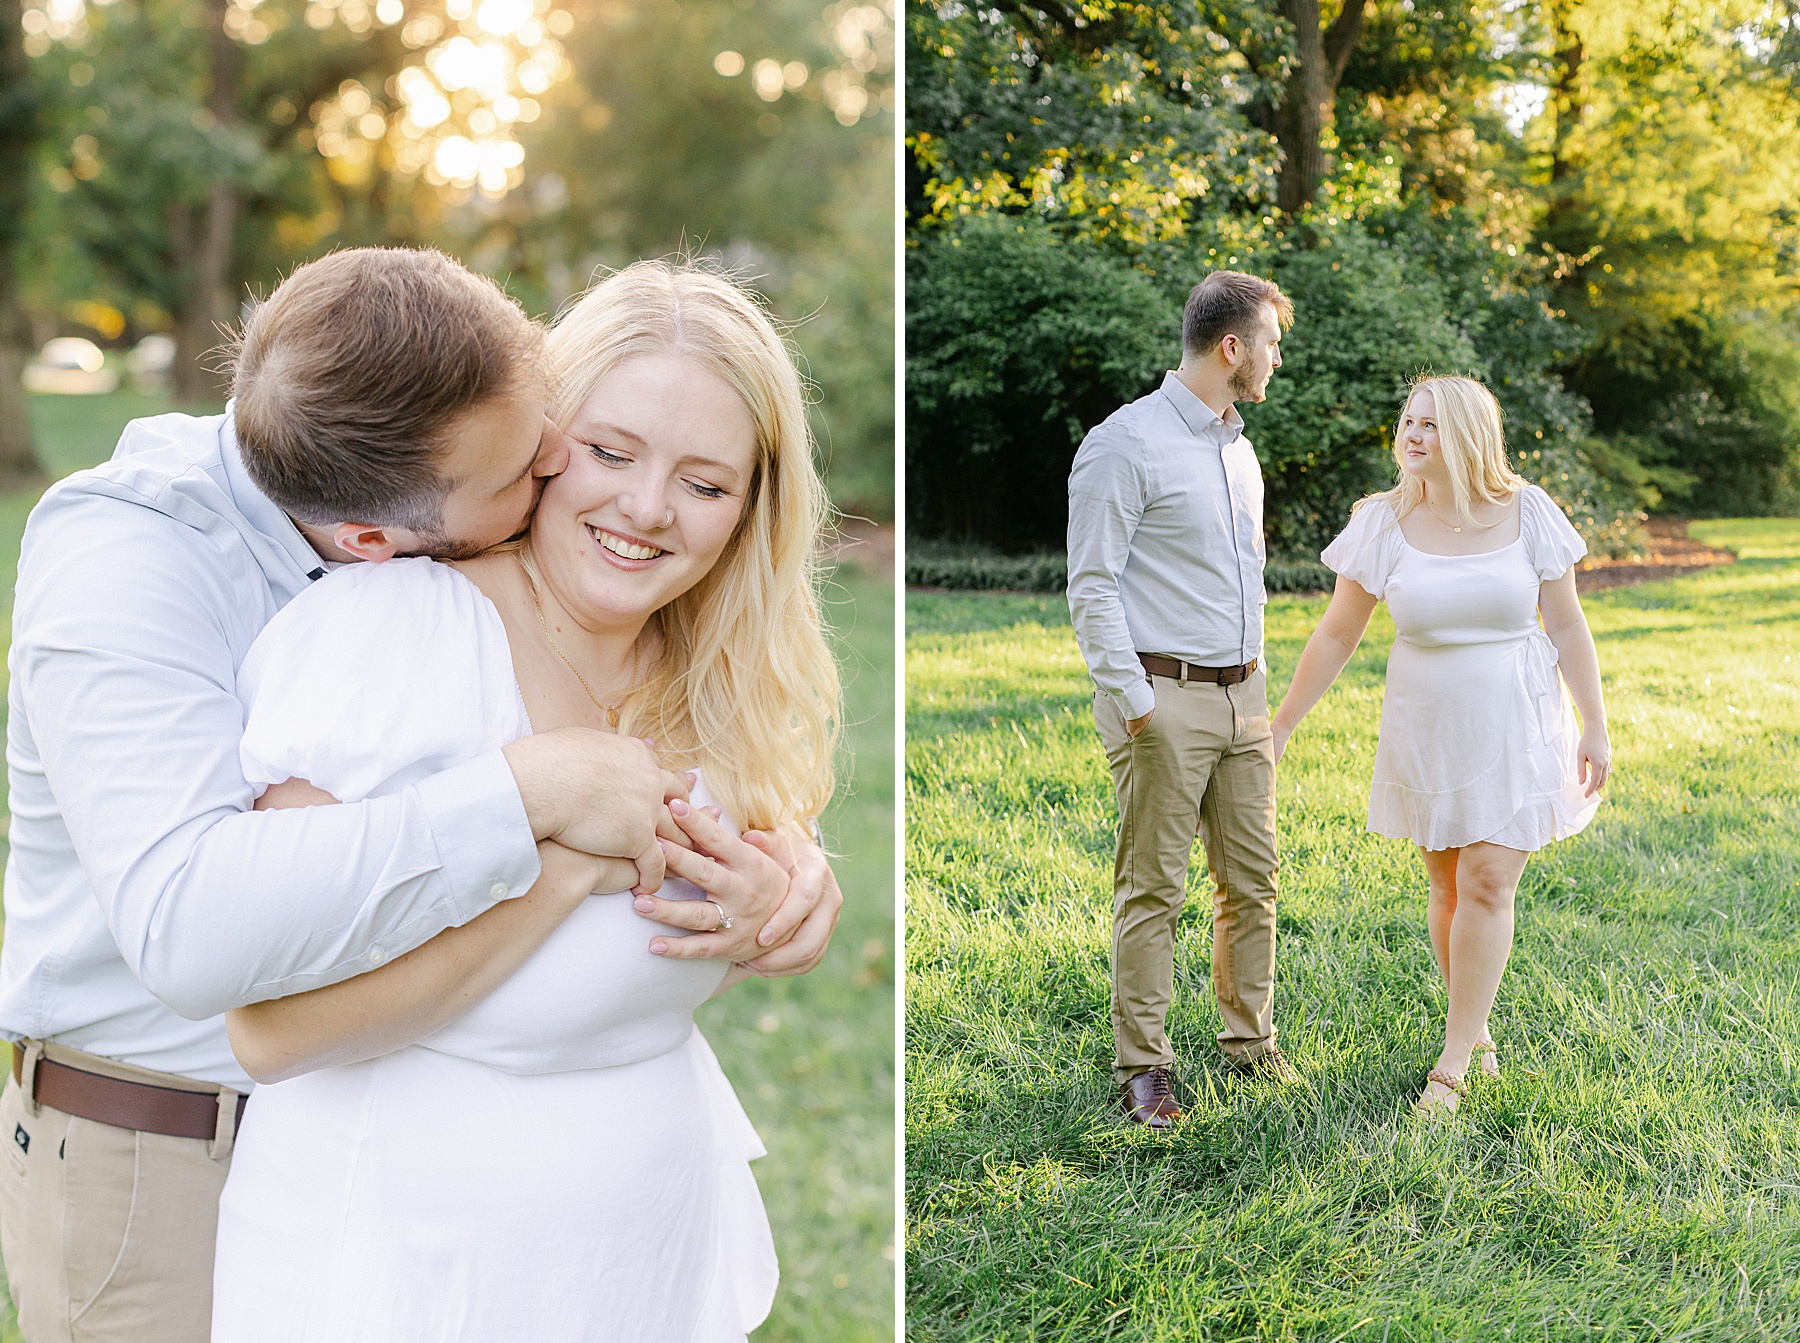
(746, 686)
(1471, 440)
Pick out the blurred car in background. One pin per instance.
(71, 365)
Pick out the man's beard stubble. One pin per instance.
(1243, 384)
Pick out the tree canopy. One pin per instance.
(184, 154)
(1591, 205)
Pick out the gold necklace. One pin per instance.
(1482, 526)
(610, 710)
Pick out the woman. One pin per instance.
(1480, 760)
(558, 1157)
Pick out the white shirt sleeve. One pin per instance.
(1364, 551)
(375, 678)
(1108, 493)
(1550, 538)
(123, 653)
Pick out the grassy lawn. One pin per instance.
(812, 1058)
(1635, 1174)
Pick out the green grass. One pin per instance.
(1633, 1175)
(812, 1057)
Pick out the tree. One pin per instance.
(1300, 123)
(1688, 284)
(18, 145)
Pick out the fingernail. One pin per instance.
(644, 906)
(692, 778)
(658, 948)
(677, 807)
(649, 741)
(717, 813)
(764, 938)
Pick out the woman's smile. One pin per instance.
(625, 551)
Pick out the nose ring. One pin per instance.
(668, 521)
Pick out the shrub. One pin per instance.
(1015, 345)
(1019, 342)
(980, 569)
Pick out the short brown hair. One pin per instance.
(347, 378)
(1226, 303)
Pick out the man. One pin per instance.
(1166, 593)
(387, 402)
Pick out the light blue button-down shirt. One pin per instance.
(1165, 541)
(143, 896)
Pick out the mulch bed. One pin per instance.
(1668, 552)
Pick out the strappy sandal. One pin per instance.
(1455, 1085)
(1490, 1065)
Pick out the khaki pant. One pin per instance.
(1204, 762)
(108, 1233)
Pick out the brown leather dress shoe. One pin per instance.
(1269, 1064)
(1149, 1099)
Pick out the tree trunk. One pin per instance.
(18, 136)
(1306, 105)
(1300, 120)
(201, 238)
(1566, 96)
(1565, 225)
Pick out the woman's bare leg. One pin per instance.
(1440, 872)
(1487, 877)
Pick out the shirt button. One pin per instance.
(498, 890)
(377, 955)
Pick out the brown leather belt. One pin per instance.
(128, 1105)
(1158, 665)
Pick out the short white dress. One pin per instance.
(1478, 736)
(564, 1163)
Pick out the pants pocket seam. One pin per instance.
(137, 1184)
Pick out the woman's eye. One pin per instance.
(706, 491)
(610, 458)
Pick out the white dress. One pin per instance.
(1478, 736)
(565, 1161)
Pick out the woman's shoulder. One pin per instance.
(1540, 513)
(370, 620)
(374, 675)
(1371, 517)
(386, 600)
(1549, 536)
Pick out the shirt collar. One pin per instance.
(260, 511)
(1202, 421)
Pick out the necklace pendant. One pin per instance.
(1457, 530)
(612, 716)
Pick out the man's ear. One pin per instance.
(366, 542)
(1231, 348)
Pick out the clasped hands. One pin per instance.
(777, 888)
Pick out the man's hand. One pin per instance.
(1133, 726)
(597, 792)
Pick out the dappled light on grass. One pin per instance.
(1632, 1174)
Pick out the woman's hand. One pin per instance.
(800, 932)
(1282, 734)
(1594, 759)
(738, 877)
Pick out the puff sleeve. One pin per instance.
(377, 676)
(1368, 547)
(1551, 542)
